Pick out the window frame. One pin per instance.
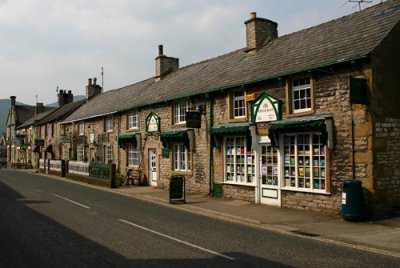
(80, 153)
(247, 171)
(109, 124)
(133, 120)
(108, 153)
(81, 128)
(178, 154)
(179, 116)
(234, 106)
(316, 158)
(291, 90)
(132, 155)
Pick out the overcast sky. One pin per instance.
(45, 44)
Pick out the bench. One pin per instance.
(133, 176)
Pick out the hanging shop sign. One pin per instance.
(266, 108)
(152, 122)
(193, 119)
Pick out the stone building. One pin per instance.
(19, 146)
(283, 121)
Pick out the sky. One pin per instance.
(50, 44)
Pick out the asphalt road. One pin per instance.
(51, 223)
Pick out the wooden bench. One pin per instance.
(133, 177)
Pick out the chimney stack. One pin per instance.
(64, 97)
(259, 31)
(13, 101)
(92, 89)
(70, 97)
(39, 108)
(164, 64)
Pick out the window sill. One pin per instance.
(300, 114)
(132, 129)
(290, 189)
(237, 120)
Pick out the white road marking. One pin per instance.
(73, 202)
(177, 240)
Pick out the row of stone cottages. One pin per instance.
(283, 121)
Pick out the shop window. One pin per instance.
(133, 155)
(239, 161)
(181, 157)
(238, 104)
(108, 153)
(81, 129)
(133, 120)
(300, 95)
(180, 109)
(305, 162)
(109, 125)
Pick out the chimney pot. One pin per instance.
(253, 15)
(90, 81)
(160, 50)
(13, 102)
(94, 81)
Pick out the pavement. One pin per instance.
(381, 237)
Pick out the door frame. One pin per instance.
(152, 180)
(267, 194)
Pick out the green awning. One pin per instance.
(230, 129)
(127, 138)
(300, 124)
(226, 129)
(174, 135)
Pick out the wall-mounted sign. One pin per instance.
(152, 122)
(193, 119)
(265, 109)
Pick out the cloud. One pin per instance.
(50, 43)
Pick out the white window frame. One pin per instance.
(237, 167)
(108, 153)
(182, 158)
(238, 104)
(180, 109)
(133, 120)
(133, 155)
(301, 94)
(109, 124)
(291, 164)
(81, 128)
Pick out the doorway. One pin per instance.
(270, 193)
(152, 167)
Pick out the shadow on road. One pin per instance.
(30, 239)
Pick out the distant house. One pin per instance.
(17, 143)
(43, 133)
(3, 151)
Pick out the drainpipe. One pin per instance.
(211, 179)
(118, 149)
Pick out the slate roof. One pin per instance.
(26, 112)
(32, 120)
(62, 112)
(351, 37)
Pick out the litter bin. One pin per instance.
(177, 190)
(352, 200)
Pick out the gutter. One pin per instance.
(90, 117)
